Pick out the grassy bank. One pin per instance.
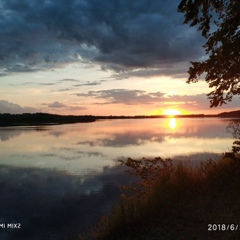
(177, 202)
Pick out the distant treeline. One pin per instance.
(7, 119)
(152, 116)
(235, 114)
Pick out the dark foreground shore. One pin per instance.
(177, 202)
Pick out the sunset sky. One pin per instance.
(99, 57)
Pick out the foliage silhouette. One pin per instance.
(219, 22)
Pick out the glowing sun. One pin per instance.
(172, 112)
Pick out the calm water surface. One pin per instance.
(57, 180)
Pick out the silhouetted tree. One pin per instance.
(219, 22)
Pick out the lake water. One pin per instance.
(55, 181)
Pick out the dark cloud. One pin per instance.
(78, 83)
(47, 84)
(58, 105)
(18, 67)
(121, 35)
(178, 70)
(31, 83)
(90, 154)
(124, 96)
(139, 97)
(69, 80)
(64, 89)
(89, 83)
(8, 107)
(22, 84)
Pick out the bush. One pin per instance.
(166, 195)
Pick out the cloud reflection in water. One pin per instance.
(53, 203)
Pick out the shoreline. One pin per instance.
(46, 119)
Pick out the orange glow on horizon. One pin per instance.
(172, 112)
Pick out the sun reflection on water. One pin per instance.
(172, 123)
